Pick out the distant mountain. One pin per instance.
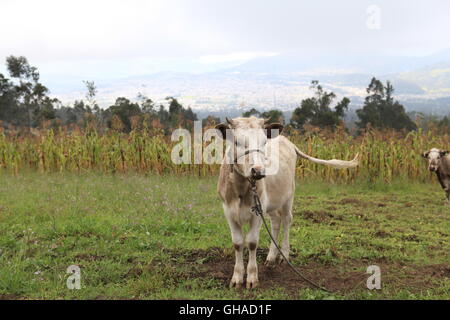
(341, 63)
(438, 107)
(421, 83)
(434, 79)
(409, 75)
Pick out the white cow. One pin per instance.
(276, 190)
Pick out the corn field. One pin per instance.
(383, 155)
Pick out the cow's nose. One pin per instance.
(258, 172)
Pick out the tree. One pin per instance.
(251, 112)
(163, 116)
(316, 111)
(381, 110)
(180, 116)
(30, 94)
(147, 105)
(123, 109)
(24, 101)
(210, 121)
(90, 97)
(8, 101)
(273, 116)
(444, 124)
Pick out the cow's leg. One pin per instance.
(252, 240)
(238, 243)
(447, 189)
(445, 185)
(275, 225)
(286, 219)
(441, 180)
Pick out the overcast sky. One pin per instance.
(119, 38)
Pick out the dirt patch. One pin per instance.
(134, 272)
(220, 267)
(408, 204)
(417, 278)
(9, 297)
(382, 234)
(88, 257)
(439, 270)
(411, 237)
(354, 201)
(343, 278)
(317, 216)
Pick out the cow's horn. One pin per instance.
(230, 122)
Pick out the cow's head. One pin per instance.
(248, 138)
(434, 157)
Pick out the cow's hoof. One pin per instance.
(252, 284)
(281, 260)
(236, 283)
(270, 263)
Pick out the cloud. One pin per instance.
(313, 27)
(71, 30)
(82, 34)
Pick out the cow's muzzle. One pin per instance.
(258, 173)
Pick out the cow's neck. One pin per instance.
(242, 188)
(241, 184)
(444, 168)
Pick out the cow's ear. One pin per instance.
(425, 154)
(222, 128)
(444, 153)
(273, 130)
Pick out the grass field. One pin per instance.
(154, 237)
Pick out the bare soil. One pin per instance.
(343, 278)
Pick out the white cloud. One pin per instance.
(85, 37)
(71, 30)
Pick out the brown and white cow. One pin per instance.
(439, 162)
(252, 150)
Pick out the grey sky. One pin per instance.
(136, 36)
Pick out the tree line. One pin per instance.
(25, 102)
(380, 110)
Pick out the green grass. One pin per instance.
(153, 237)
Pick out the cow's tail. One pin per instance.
(339, 164)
